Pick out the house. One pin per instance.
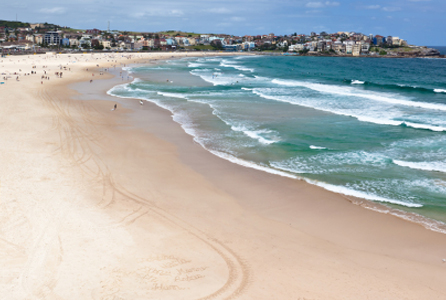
(349, 48)
(93, 31)
(378, 40)
(106, 44)
(73, 42)
(356, 50)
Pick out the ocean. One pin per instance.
(373, 128)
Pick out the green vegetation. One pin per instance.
(13, 24)
(382, 52)
(179, 33)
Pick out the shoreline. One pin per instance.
(377, 206)
(151, 203)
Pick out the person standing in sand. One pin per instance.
(115, 106)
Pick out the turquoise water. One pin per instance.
(370, 128)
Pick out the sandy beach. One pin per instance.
(121, 204)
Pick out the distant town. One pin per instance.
(18, 37)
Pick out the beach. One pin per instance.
(98, 203)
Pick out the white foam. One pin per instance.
(158, 68)
(357, 82)
(215, 80)
(359, 194)
(333, 188)
(195, 65)
(254, 134)
(173, 95)
(351, 114)
(317, 147)
(249, 164)
(229, 64)
(354, 92)
(246, 89)
(439, 91)
(437, 166)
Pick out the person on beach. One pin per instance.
(115, 107)
(141, 102)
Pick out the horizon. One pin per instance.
(416, 21)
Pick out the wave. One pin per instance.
(351, 114)
(353, 92)
(195, 65)
(399, 87)
(348, 191)
(214, 77)
(246, 89)
(439, 91)
(228, 64)
(357, 82)
(172, 95)
(317, 147)
(359, 194)
(255, 134)
(251, 165)
(424, 166)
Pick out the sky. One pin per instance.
(420, 22)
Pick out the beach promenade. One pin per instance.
(121, 204)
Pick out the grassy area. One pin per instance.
(182, 33)
(403, 49)
(13, 24)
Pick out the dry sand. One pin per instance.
(101, 204)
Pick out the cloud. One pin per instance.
(373, 7)
(220, 10)
(237, 19)
(54, 10)
(159, 13)
(315, 4)
(314, 11)
(391, 8)
(321, 4)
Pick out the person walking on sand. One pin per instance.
(115, 106)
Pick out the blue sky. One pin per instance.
(420, 22)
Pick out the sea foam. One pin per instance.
(436, 166)
(354, 92)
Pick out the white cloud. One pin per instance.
(314, 11)
(373, 7)
(176, 12)
(237, 19)
(220, 10)
(334, 3)
(54, 10)
(391, 8)
(322, 4)
(159, 13)
(315, 4)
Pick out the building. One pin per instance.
(52, 38)
(93, 31)
(356, 50)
